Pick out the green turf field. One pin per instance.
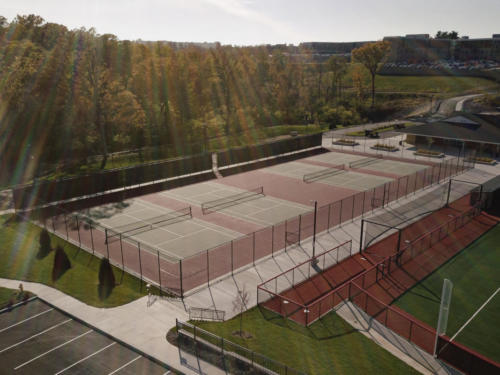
(475, 275)
(329, 346)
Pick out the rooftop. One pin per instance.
(461, 126)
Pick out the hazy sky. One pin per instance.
(265, 21)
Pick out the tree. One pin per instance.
(447, 35)
(337, 66)
(370, 55)
(239, 305)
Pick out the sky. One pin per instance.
(250, 22)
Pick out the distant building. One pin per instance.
(462, 130)
(417, 36)
(413, 49)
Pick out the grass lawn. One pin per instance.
(11, 296)
(329, 346)
(438, 84)
(474, 273)
(18, 252)
(422, 84)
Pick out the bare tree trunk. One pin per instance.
(102, 131)
(373, 89)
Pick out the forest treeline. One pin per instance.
(68, 94)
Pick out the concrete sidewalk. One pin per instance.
(135, 323)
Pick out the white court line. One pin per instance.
(191, 234)
(38, 334)
(51, 350)
(474, 315)
(25, 320)
(83, 359)
(125, 365)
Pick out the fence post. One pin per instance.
(352, 212)
(107, 246)
(180, 278)
(272, 241)
(448, 195)
(121, 252)
(363, 209)
(66, 225)
(232, 257)
(208, 270)
(159, 272)
(329, 210)
(300, 226)
(340, 217)
(286, 227)
(78, 228)
(140, 263)
(383, 196)
(361, 236)
(415, 186)
(91, 238)
(254, 248)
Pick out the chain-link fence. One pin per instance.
(284, 294)
(179, 276)
(231, 357)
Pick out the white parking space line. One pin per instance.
(125, 365)
(168, 372)
(25, 320)
(38, 334)
(83, 359)
(51, 350)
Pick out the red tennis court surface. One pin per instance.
(288, 188)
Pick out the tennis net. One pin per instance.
(363, 162)
(145, 225)
(314, 176)
(231, 200)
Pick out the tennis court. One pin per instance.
(252, 205)
(394, 167)
(36, 338)
(179, 235)
(340, 178)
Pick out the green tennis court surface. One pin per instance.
(475, 277)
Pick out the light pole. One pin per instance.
(314, 227)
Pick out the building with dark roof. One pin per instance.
(479, 132)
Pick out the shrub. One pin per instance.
(106, 278)
(44, 241)
(61, 263)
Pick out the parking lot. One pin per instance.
(36, 338)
